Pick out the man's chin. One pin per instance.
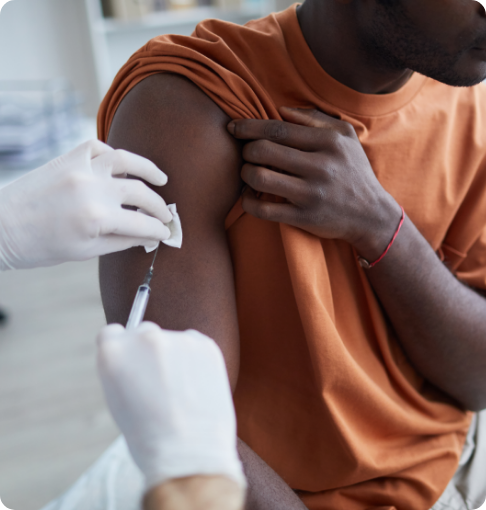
(465, 70)
(471, 73)
(465, 83)
(458, 79)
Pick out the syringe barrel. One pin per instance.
(139, 306)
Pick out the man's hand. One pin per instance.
(318, 165)
(320, 168)
(71, 208)
(169, 394)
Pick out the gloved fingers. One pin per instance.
(197, 335)
(109, 332)
(136, 193)
(118, 348)
(122, 163)
(149, 338)
(127, 223)
(147, 327)
(110, 341)
(200, 341)
(150, 334)
(95, 148)
(113, 243)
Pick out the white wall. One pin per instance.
(42, 39)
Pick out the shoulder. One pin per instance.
(166, 97)
(471, 101)
(169, 120)
(463, 102)
(458, 114)
(266, 31)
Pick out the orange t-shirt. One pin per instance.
(325, 394)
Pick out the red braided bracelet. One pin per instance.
(368, 265)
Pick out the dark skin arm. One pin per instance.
(334, 194)
(170, 121)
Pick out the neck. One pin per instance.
(332, 33)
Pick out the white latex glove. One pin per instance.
(70, 209)
(169, 393)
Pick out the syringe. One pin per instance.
(140, 303)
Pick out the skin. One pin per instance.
(372, 47)
(382, 43)
(196, 493)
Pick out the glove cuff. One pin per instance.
(164, 467)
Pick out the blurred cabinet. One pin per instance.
(113, 40)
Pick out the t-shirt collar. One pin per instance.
(325, 86)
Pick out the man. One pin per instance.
(352, 329)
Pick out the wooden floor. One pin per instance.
(53, 421)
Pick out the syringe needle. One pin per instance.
(140, 303)
(155, 256)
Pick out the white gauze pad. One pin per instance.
(175, 227)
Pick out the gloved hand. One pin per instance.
(169, 393)
(70, 209)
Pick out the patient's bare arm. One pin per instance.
(170, 121)
(192, 287)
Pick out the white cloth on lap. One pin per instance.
(467, 490)
(114, 482)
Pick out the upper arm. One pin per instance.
(168, 120)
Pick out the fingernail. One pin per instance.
(231, 127)
(171, 218)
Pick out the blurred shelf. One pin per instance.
(113, 41)
(86, 130)
(166, 19)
